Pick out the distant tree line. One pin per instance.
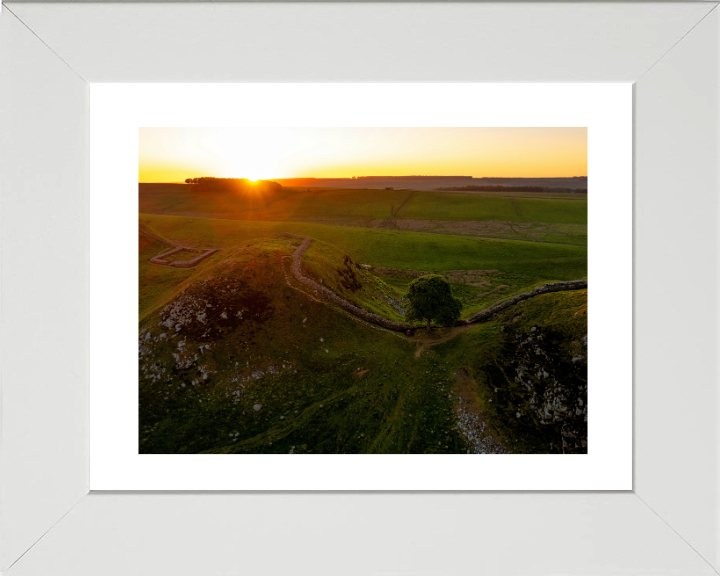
(491, 188)
(417, 177)
(235, 184)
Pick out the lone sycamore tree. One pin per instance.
(431, 299)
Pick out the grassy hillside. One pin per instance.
(500, 268)
(237, 360)
(451, 206)
(197, 199)
(333, 204)
(411, 250)
(546, 219)
(237, 336)
(338, 272)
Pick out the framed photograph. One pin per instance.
(275, 315)
(375, 299)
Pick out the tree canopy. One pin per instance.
(431, 299)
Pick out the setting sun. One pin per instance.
(173, 154)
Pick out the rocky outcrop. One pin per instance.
(538, 385)
(557, 388)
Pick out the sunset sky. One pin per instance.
(173, 154)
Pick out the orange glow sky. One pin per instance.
(173, 154)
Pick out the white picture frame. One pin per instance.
(49, 523)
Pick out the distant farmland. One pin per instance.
(520, 216)
(431, 183)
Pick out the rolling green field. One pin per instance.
(390, 248)
(336, 203)
(544, 218)
(238, 356)
(324, 203)
(449, 206)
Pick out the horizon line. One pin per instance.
(372, 176)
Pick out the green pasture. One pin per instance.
(189, 199)
(449, 206)
(520, 265)
(368, 204)
(334, 204)
(394, 249)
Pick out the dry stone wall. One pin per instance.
(401, 326)
(547, 288)
(160, 259)
(330, 295)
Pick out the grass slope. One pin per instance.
(348, 279)
(411, 250)
(333, 204)
(518, 266)
(357, 205)
(321, 381)
(158, 284)
(193, 199)
(450, 206)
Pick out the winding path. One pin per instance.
(481, 316)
